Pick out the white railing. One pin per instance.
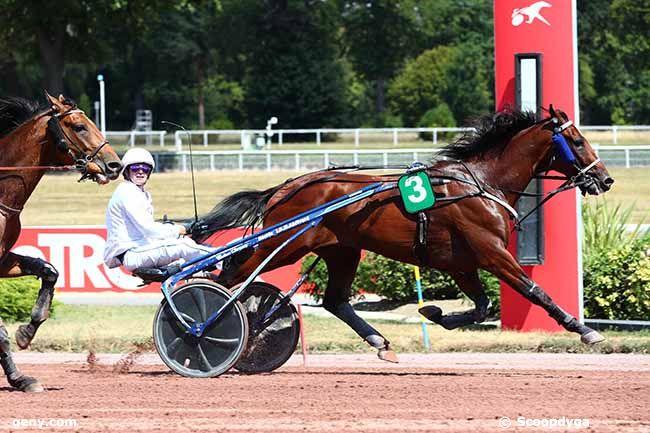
(131, 136)
(296, 160)
(613, 156)
(246, 138)
(632, 155)
(615, 129)
(246, 135)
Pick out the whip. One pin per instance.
(189, 137)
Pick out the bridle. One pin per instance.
(564, 152)
(63, 142)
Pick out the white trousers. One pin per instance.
(161, 253)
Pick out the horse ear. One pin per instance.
(56, 105)
(551, 111)
(62, 99)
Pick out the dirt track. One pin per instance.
(343, 393)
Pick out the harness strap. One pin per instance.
(503, 203)
(420, 247)
(564, 126)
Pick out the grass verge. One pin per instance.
(118, 329)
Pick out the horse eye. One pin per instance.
(79, 128)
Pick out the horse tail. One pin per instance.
(240, 209)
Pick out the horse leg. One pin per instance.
(342, 264)
(471, 285)
(503, 266)
(15, 378)
(15, 265)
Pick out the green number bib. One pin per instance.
(416, 192)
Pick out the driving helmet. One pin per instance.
(138, 156)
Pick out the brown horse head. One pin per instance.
(79, 141)
(578, 159)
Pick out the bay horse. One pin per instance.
(469, 226)
(35, 138)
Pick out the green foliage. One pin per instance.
(420, 85)
(617, 282)
(441, 116)
(395, 281)
(616, 264)
(452, 75)
(17, 297)
(613, 38)
(604, 227)
(294, 74)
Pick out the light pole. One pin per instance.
(269, 124)
(102, 102)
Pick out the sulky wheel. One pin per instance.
(218, 348)
(270, 342)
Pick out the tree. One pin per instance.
(450, 75)
(379, 36)
(186, 36)
(293, 72)
(59, 32)
(615, 49)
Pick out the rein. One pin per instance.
(54, 126)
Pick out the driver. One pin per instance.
(134, 239)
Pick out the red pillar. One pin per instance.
(546, 27)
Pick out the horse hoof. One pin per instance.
(592, 337)
(24, 336)
(27, 384)
(432, 313)
(388, 355)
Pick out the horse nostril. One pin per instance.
(114, 166)
(608, 181)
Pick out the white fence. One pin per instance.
(612, 156)
(246, 138)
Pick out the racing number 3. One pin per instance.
(416, 192)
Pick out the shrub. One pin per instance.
(604, 227)
(617, 282)
(616, 275)
(441, 116)
(17, 297)
(395, 281)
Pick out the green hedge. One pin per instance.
(396, 281)
(17, 297)
(616, 274)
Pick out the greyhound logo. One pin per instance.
(532, 12)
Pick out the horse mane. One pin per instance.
(15, 111)
(491, 131)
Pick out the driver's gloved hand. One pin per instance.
(195, 228)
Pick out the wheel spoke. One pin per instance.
(173, 347)
(267, 303)
(279, 324)
(221, 341)
(199, 300)
(187, 317)
(204, 359)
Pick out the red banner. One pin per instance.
(77, 253)
(548, 28)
